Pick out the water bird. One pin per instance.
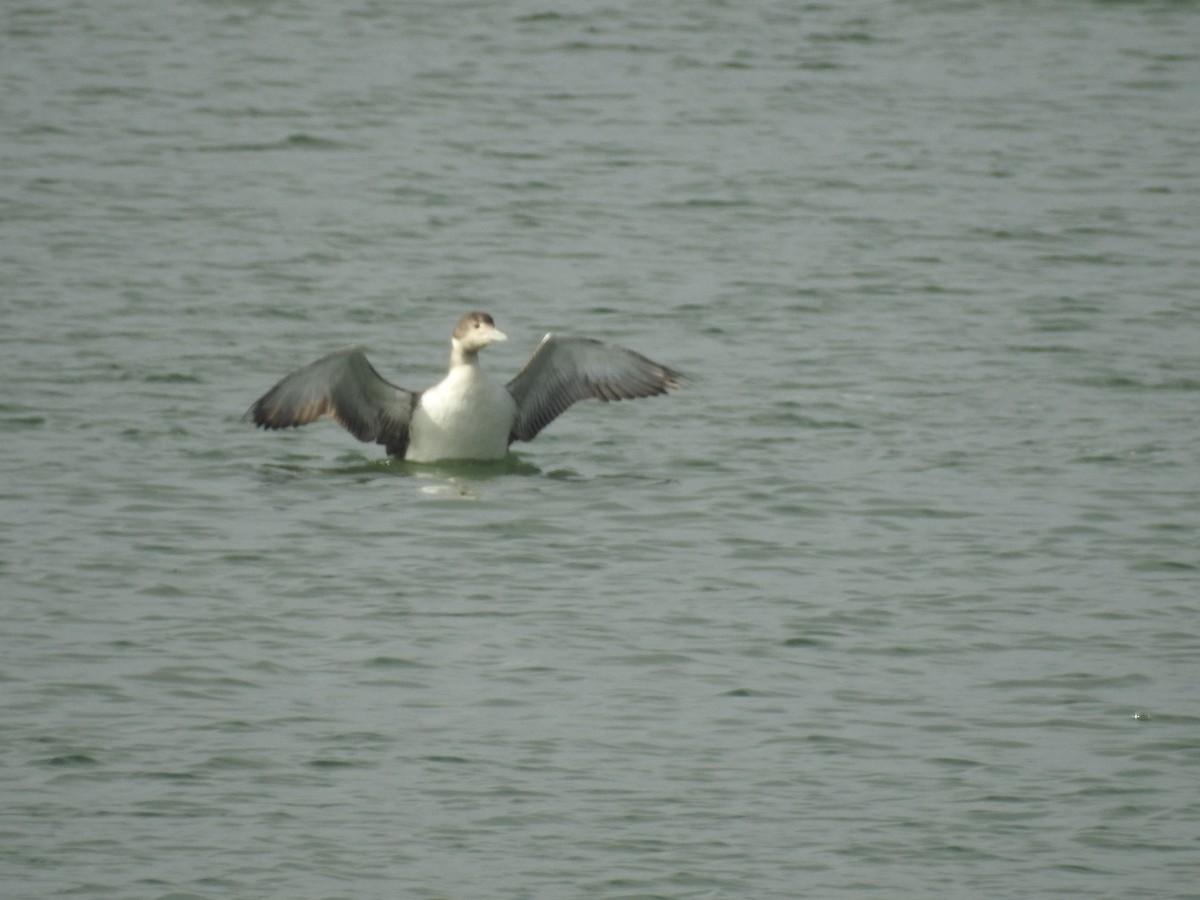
(466, 415)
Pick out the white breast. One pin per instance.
(463, 416)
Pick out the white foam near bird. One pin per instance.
(466, 415)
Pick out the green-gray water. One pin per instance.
(898, 599)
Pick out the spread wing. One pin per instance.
(565, 369)
(347, 387)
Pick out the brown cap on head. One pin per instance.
(475, 331)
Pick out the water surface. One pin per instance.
(898, 598)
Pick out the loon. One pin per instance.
(466, 415)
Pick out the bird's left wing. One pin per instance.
(565, 369)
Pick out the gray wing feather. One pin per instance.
(565, 369)
(345, 386)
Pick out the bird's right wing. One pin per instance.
(346, 387)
